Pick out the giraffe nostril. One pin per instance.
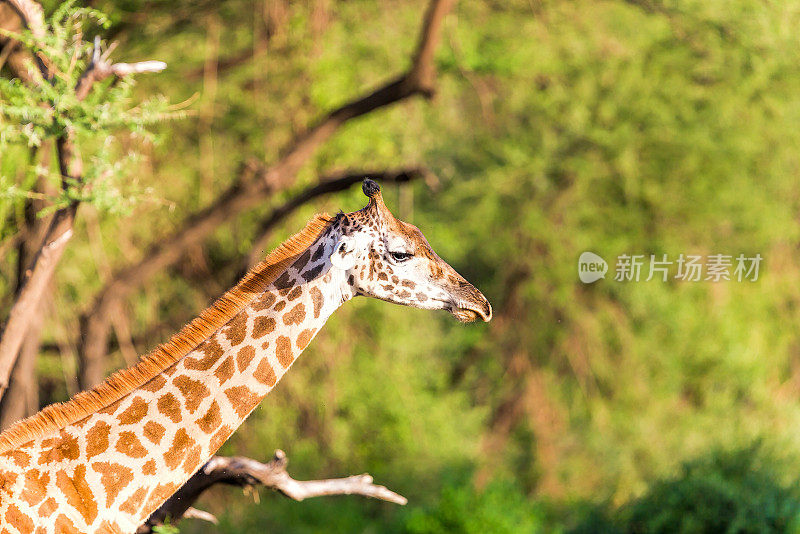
(487, 312)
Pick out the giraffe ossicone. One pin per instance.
(105, 460)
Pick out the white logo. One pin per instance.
(591, 267)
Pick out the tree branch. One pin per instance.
(245, 194)
(31, 15)
(249, 473)
(99, 69)
(59, 232)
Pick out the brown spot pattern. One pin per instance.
(154, 431)
(219, 438)
(265, 374)
(16, 518)
(295, 316)
(305, 338)
(155, 384)
(211, 420)
(245, 356)
(262, 326)
(193, 391)
(225, 369)
(129, 445)
(212, 351)
(294, 293)
(97, 439)
(47, 508)
(242, 399)
(237, 328)
(283, 351)
(302, 260)
(35, 486)
(77, 492)
(133, 413)
(65, 448)
(20, 458)
(193, 459)
(179, 448)
(284, 281)
(318, 252)
(149, 467)
(264, 302)
(114, 478)
(318, 300)
(134, 502)
(168, 405)
(310, 274)
(64, 525)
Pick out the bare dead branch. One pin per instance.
(194, 513)
(244, 195)
(99, 69)
(31, 14)
(34, 285)
(249, 473)
(32, 17)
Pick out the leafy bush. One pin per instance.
(501, 507)
(731, 492)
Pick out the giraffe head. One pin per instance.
(391, 260)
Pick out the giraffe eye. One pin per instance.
(400, 257)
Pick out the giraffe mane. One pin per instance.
(121, 383)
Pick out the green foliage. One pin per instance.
(42, 109)
(500, 508)
(166, 528)
(725, 491)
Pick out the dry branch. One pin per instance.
(249, 473)
(31, 15)
(245, 194)
(99, 69)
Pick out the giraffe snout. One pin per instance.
(470, 305)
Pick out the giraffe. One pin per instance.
(107, 458)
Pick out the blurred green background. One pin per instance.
(620, 127)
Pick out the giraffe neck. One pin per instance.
(89, 474)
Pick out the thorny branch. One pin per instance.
(44, 262)
(249, 473)
(252, 188)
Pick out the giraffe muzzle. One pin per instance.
(471, 308)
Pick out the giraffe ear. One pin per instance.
(344, 256)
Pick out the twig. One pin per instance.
(241, 196)
(99, 69)
(249, 473)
